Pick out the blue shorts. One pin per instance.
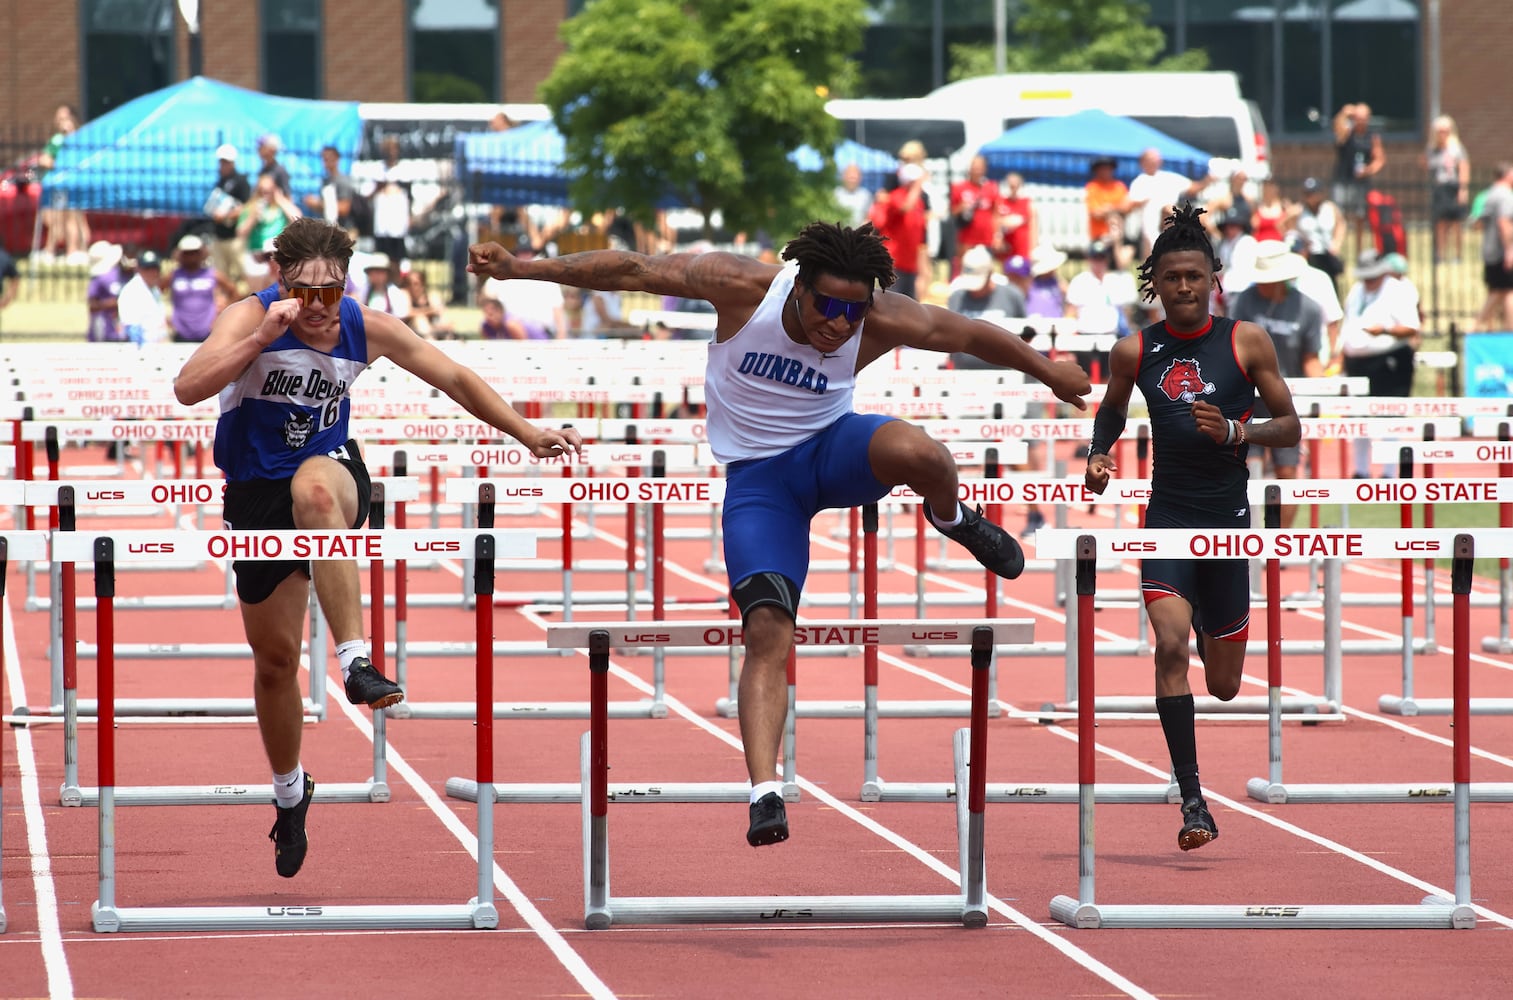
(1217, 589)
(769, 502)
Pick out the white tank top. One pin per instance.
(765, 393)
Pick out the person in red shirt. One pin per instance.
(975, 205)
(1016, 217)
(899, 215)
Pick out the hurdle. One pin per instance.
(1084, 912)
(478, 913)
(143, 546)
(1481, 453)
(25, 545)
(486, 496)
(601, 910)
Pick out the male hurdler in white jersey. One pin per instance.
(788, 343)
(282, 363)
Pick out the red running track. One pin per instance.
(416, 848)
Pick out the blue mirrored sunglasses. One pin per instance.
(832, 307)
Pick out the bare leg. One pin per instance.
(325, 498)
(903, 454)
(763, 694)
(273, 630)
(1171, 620)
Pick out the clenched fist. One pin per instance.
(491, 260)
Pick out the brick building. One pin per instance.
(91, 53)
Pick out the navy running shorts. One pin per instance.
(1217, 589)
(769, 502)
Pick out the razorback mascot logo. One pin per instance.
(1183, 381)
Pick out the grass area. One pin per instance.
(1469, 516)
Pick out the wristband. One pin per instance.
(1230, 437)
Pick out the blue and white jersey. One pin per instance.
(291, 403)
(766, 393)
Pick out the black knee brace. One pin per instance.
(766, 588)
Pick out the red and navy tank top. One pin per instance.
(1188, 469)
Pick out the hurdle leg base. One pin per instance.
(104, 919)
(485, 915)
(1083, 916)
(1492, 644)
(726, 708)
(1265, 790)
(1462, 918)
(1432, 914)
(71, 795)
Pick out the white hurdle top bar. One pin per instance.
(26, 545)
(1331, 543)
(106, 492)
(266, 546)
(616, 489)
(842, 632)
(1388, 452)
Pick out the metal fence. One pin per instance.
(1451, 290)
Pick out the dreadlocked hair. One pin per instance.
(852, 254)
(1182, 231)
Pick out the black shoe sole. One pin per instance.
(772, 834)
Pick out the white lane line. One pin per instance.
(503, 884)
(1057, 941)
(60, 982)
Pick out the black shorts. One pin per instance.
(1217, 589)
(1389, 374)
(1497, 277)
(267, 504)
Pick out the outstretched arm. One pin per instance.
(899, 321)
(724, 279)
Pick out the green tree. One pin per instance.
(699, 103)
(1078, 36)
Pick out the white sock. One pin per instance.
(758, 790)
(941, 522)
(349, 651)
(289, 788)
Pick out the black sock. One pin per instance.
(1177, 724)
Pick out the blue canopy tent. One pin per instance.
(876, 166)
(1060, 150)
(523, 166)
(157, 152)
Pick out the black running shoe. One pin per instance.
(1198, 826)
(288, 833)
(366, 686)
(769, 821)
(989, 544)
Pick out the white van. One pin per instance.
(1204, 110)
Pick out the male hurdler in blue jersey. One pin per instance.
(1199, 375)
(788, 343)
(283, 363)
